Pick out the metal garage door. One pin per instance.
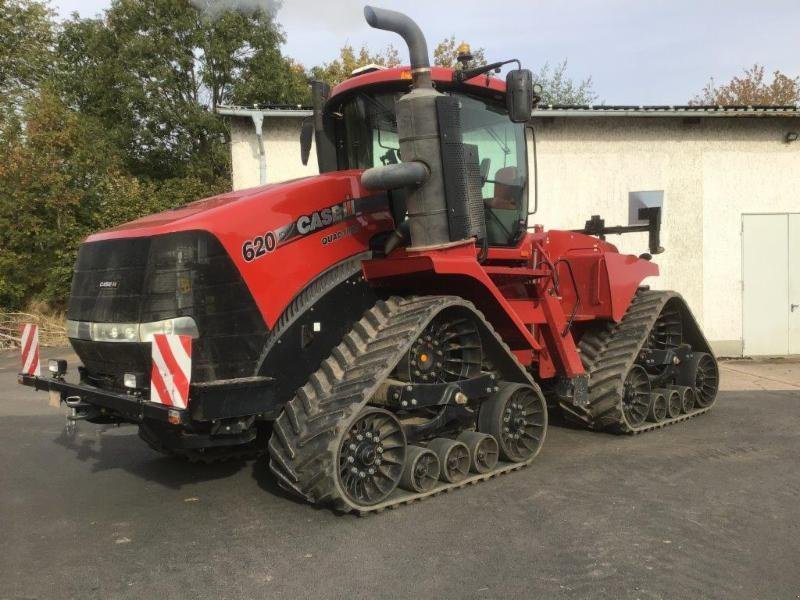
(771, 284)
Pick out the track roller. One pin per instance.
(658, 407)
(421, 471)
(687, 397)
(453, 457)
(483, 450)
(673, 399)
(516, 417)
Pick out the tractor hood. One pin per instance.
(279, 237)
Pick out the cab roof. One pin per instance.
(482, 84)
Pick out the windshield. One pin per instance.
(367, 137)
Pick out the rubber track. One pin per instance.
(608, 353)
(303, 446)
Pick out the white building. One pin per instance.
(730, 180)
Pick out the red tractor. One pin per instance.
(391, 328)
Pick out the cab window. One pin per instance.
(367, 137)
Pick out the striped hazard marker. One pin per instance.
(172, 369)
(29, 343)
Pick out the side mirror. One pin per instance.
(306, 136)
(519, 95)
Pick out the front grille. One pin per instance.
(108, 282)
(141, 280)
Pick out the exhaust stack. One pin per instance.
(405, 27)
(434, 170)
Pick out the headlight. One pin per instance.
(177, 326)
(114, 332)
(130, 332)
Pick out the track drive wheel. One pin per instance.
(448, 350)
(636, 396)
(516, 417)
(371, 457)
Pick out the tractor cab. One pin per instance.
(359, 120)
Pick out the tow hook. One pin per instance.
(80, 410)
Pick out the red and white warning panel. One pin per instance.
(29, 344)
(172, 369)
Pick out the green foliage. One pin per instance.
(26, 40)
(446, 54)
(113, 118)
(752, 89)
(61, 181)
(341, 68)
(558, 88)
(154, 72)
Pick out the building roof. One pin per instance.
(553, 110)
(666, 111)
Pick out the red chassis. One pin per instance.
(527, 292)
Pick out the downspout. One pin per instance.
(258, 122)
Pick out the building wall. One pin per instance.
(282, 149)
(712, 170)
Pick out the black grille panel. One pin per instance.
(141, 280)
(108, 281)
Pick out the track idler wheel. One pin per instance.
(516, 417)
(687, 396)
(421, 471)
(701, 373)
(636, 396)
(371, 457)
(454, 458)
(658, 407)
(483, 450)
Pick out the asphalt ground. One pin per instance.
(704, 509)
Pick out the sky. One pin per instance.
(636, 51)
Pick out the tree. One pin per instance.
(49, 183)
(61, 180)
(559, 89)
(342, 67)
(446, 54)
(752, 89)
(154, 72)
(26, 45)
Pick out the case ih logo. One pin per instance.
(325, 217)
(108, 284)
(261, 245)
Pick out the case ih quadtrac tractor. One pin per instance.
(390, 328)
